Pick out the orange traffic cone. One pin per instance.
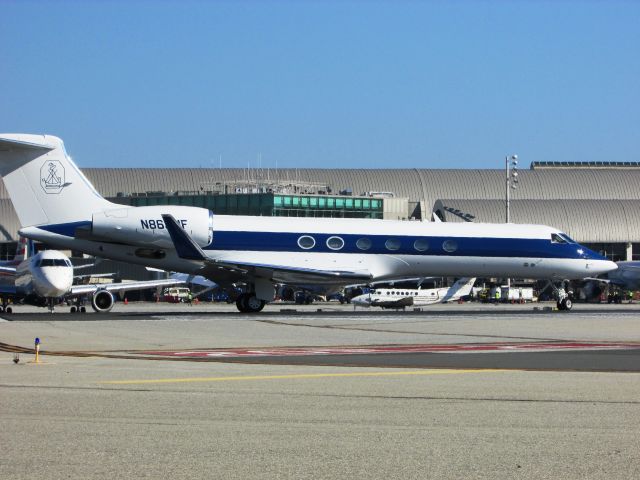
(126, 302)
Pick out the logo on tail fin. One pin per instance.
(52, 176)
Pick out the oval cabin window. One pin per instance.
(306, 242)
(335, 243)
(363, 243)
(421, 245)
(392, 244)
(450, 246)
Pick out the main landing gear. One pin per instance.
(77, 306)
(249, 303)
(5, 308)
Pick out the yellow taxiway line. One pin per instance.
(299, 376)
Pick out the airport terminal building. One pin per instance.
(597, 204)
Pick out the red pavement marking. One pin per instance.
(460, 348)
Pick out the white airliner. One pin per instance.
(56, 204)
(46, 277)
(406, 297)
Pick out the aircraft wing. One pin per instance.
(122, 287)
(240, 269)
(94, 275)
(288, 274)
(89, 265)
(595, 279)
(193, 280)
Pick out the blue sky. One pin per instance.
(324, 84)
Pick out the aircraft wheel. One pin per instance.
(73, 309)
(560, 305)
(1, 309)
(83, 309)
(567, 303)
(241, 303)
(8, 310)
(253, 304)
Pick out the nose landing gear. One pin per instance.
(563, 299)
(565, 304)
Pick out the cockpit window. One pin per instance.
(555, 238)
(52, 262)
(567, 238)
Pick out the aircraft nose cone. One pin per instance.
(603, 266)
(57, 283)
(359, 300)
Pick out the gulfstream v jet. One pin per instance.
(56, 204)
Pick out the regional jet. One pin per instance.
(56, 204)
(47, 277)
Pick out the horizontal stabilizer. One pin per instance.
(12, 144)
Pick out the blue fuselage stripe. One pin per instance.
(464, 246)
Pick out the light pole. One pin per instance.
(511, 174)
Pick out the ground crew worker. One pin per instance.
(189, 297)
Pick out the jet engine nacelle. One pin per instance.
(592, 290)
(144, 225)
(102, 301)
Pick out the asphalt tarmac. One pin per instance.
(456, 391)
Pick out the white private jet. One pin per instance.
(406, 297)
(56, 204)
(46, 277)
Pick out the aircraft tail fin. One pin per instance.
(461, 288)
(24, 249)
(44, 184)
